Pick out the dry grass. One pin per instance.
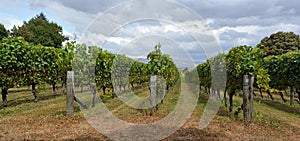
(46, 120)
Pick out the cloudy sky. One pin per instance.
(134, 27)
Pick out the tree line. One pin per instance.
(99, 69)
(274, 63)
(26, 64)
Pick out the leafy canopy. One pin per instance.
(39, 30)
(280, 43)
(3, 32)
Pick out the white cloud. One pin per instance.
(250, 35)
(171, 28)
(146, 29)
(92, 39)
(10, 21)
(119, 40)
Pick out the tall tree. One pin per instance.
(3, 32)
(280, 43)
(39, 30)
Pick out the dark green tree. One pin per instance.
(280, 43)
(3, 32)
(39, 30)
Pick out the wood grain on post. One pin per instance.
(292, 91)
(251, 95)
(70, 93)
(248, 97)
(153, 90)
(245, 97)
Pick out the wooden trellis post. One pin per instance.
(153, 91)
(251, 95)
(157, 91)
(248, 97)
(292, 92)
(70, 93)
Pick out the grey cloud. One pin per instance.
(230, 13)
(241, 8)
(246, 12)
(266, 15)
(257, 20)
(90, 6)
(139, 49)
(229, 34)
